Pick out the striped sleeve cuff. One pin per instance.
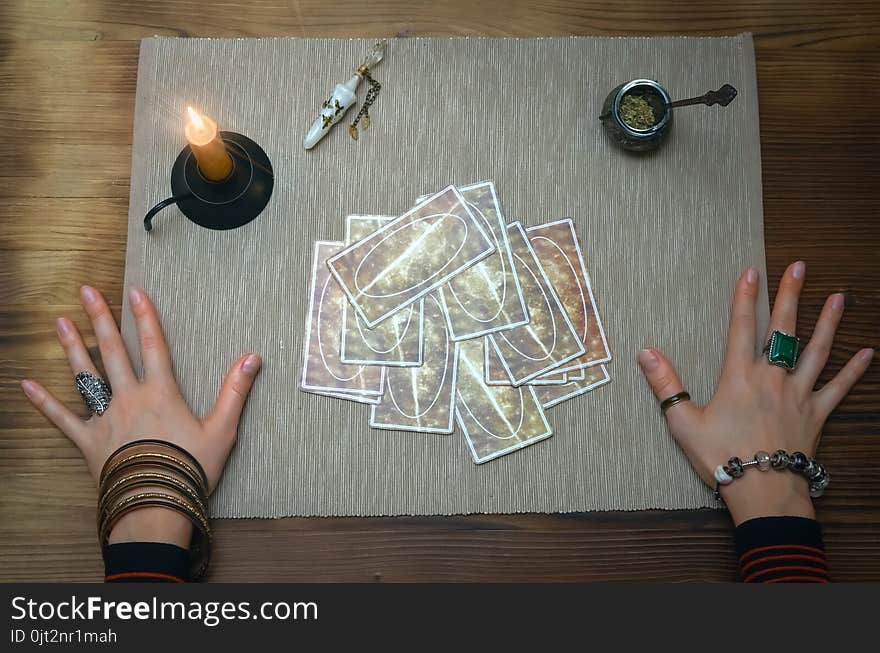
(781, 549)
(145, 562)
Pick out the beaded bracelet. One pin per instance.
(816, 474)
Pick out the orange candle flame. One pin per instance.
(207, 146)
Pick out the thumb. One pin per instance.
(665, 382)
(234, 392)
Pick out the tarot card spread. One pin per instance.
(559, 252)
(410, 256)
(491, 348)
(396, 342)
(549, 339)
(322, 370)
(421, 398)
(487, 297)
(495, 419)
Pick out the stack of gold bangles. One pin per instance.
(149, 473)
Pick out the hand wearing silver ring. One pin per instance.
(763, 402)
(150, 406)
(94, 392)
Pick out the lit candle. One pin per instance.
(214, 161)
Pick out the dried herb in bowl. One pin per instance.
(636, 112)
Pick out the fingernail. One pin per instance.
(797, 270)
(135, 296)
(28, 387)
(837, 301)
(251, 364)
(648, 360)
(88, 294)
(751, 275)
(62, 326)
(866, 355)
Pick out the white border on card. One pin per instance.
(580, 391)
(349, 396)
(308, 331)
(542, 381)
(428, 429)
(557, 364)
(384, 219)
(487, 342)
(509, 383)
(576, 375)
(509, 263)
(519, 445)
(588, 280)
(439, 282)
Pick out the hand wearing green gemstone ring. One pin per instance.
(782, 350)
(756, 406)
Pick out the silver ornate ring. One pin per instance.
(94, 391)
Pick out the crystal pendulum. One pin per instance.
(344, 97)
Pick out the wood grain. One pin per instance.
(68, 72)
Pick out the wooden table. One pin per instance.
(67, 81)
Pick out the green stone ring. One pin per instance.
(782, 350)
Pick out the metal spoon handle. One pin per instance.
(722, 96)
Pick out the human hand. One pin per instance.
(149, 407)
(758, 406)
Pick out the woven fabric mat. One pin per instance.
(665, 237)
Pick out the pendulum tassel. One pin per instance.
(363, 115)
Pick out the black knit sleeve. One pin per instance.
(781, 549)
(146, 562)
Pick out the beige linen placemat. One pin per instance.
(665, 237)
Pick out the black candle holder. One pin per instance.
(221, 205)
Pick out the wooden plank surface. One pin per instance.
(67, 79)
